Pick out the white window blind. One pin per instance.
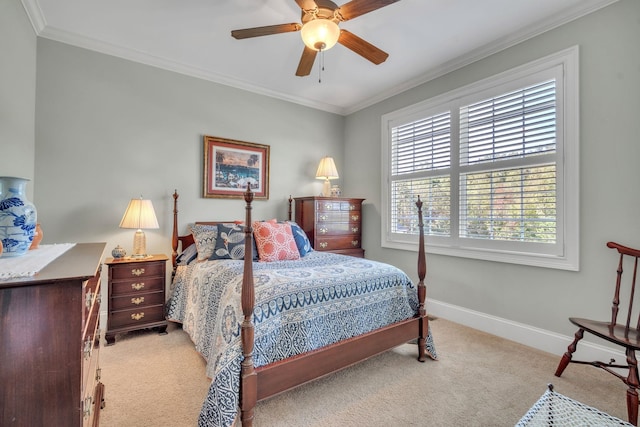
(495, 164)
(505, 203)
(418, 150)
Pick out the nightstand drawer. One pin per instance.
(140, 316)
(142, 285)
(133, 301)
(137, 270)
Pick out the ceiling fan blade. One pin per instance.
(307, 4)
(355, 8)
(306, 62)
(265, 31)
(362, 47)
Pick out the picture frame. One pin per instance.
(231, 165)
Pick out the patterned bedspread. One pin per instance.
(299, 306)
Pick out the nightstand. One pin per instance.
(136, 295)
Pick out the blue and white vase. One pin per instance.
(17, 217)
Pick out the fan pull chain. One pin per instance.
(321, 67)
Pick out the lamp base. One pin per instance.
(139, 245)
(326, 188)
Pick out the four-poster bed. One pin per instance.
(393, 313)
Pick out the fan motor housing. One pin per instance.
(325, 10)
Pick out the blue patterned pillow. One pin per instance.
(187, 255)
(302, 241)
(205, 238)
(230, 243)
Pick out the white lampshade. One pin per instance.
(327, 170)
(139, 214)
(320, 34)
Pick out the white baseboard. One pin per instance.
(540, 339)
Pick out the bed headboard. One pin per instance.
(179, 243)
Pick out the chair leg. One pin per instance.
(566, 358)
(633, 384)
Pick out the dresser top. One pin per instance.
(80, 262)
(335, 199)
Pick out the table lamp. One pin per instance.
(139, 215)
(327, 171)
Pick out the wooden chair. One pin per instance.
(624, 334)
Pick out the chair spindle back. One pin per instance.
(631, 253)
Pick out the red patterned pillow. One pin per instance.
(275, 241)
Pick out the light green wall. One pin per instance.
(17, 92)
(109, 129)
(609, 158)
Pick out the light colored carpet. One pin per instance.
(479, 380)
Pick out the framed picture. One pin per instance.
(230, 165)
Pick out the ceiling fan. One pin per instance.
(320, 31)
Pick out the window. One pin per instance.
(495, 164)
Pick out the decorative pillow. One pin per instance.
(230, 243)
(301, 239)
(187, 255)
(275, 241)
(205, 239)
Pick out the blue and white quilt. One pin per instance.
(300, 306)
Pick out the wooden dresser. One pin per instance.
(49, 343)
(332, 224)
(136, 295)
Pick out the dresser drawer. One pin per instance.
(338, 216)
(336, 205)
(90, 357)
(337, 228)
(137, 300)
(137, 316)
(332, 243)
(91, 298)
(137, 270)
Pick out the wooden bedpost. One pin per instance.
(290, 211)
(422, 289)
(174, 234)
(248, 376)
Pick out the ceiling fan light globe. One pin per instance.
(320, 34)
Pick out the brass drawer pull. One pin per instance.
(137, 316)
(352, 207)
(137, 301)
(88, 298)
(137, 286)
(137, 271)
(323, 230)
(355, 243)
(354, 229)
(324, 217)
(323, 245)
(328, 206)
(355, 217)
(86, 406)
(87, 349)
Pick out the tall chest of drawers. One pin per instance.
(332, 224)
(136, 295)
(49, 343)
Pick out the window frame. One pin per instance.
(565, 66)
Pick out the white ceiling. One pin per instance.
(424, 39)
